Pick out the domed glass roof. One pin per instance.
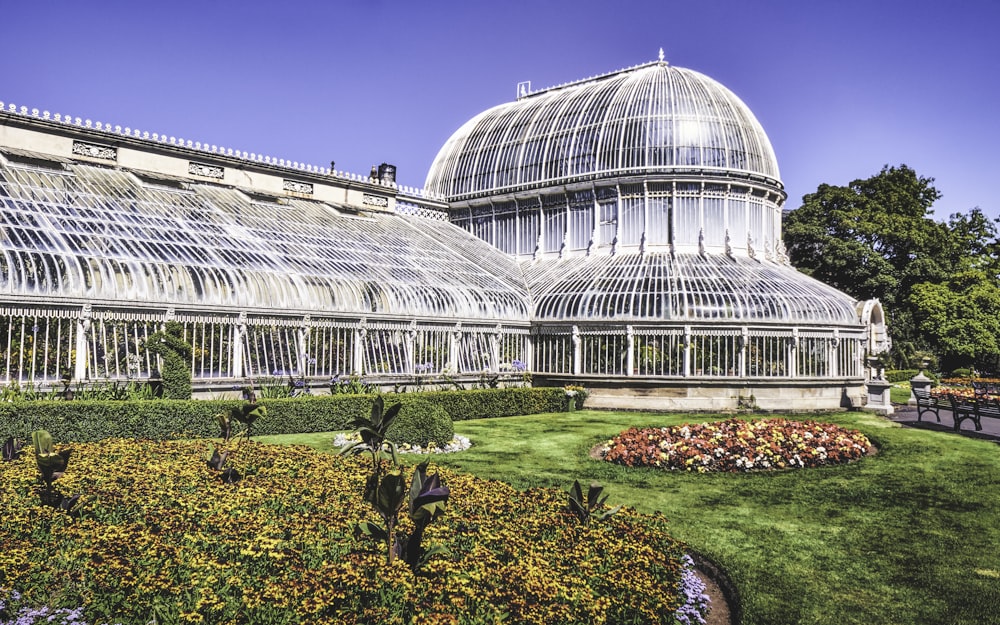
(686, 287)
(653, 118)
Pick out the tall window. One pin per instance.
(581, 220)
(529, 224)
(555, 226)
(633, 217)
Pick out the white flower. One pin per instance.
(458, 443)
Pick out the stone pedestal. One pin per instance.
(878, 397)
(917, 382)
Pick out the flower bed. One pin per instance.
(156, 532)
(736, 445)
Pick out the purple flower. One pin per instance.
(695, 600)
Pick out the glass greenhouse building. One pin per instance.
(621, 233)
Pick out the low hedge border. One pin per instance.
(86, 421)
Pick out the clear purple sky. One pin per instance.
(842, 87)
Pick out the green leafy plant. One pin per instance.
(575, 396)
(374, 432)
(247, 414)
(374, 439)
(588, 508)
(225, 425)
(52, 465)
(351, 385)
(218, 461)
(387, 493)
(427, 499)
(175, 354)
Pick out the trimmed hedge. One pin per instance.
(82, 421)
(901, 375)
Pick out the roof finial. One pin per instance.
(661, 55)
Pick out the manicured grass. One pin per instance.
(900, 393)
(909, 535)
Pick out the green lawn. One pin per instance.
(909, 535)
(899, 393)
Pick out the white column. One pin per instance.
(630, 346)
(453, 346)
(577, 352)
(687, 351)
(793, 353)
(495, 348)
(358, 357)
(239, 339)
(83, 327)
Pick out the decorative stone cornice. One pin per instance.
(375, 200)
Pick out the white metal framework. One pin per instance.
(653, 118)
(644, 206)
(95, 258)
(622, 230)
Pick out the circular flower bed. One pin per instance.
(736, 445)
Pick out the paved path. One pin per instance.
(907, 416)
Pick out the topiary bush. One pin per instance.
(421, 422)
(175, 353)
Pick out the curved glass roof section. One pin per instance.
(685, 288)
(95, 233)
(654, 118)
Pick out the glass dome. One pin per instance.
(684, 288)
(654, 118)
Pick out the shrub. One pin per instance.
(175, 353)
(421, 422)
(82, 421)
(901, 375)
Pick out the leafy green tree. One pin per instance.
(974, 242)
(876, 238)
(961, 319)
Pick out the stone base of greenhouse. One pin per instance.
(704, 394)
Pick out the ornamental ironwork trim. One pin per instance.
(206, 171)
(295, 186)
(375, 200)
(95, 150)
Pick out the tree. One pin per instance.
(974, 242)
(961, 319)
(875, 238)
